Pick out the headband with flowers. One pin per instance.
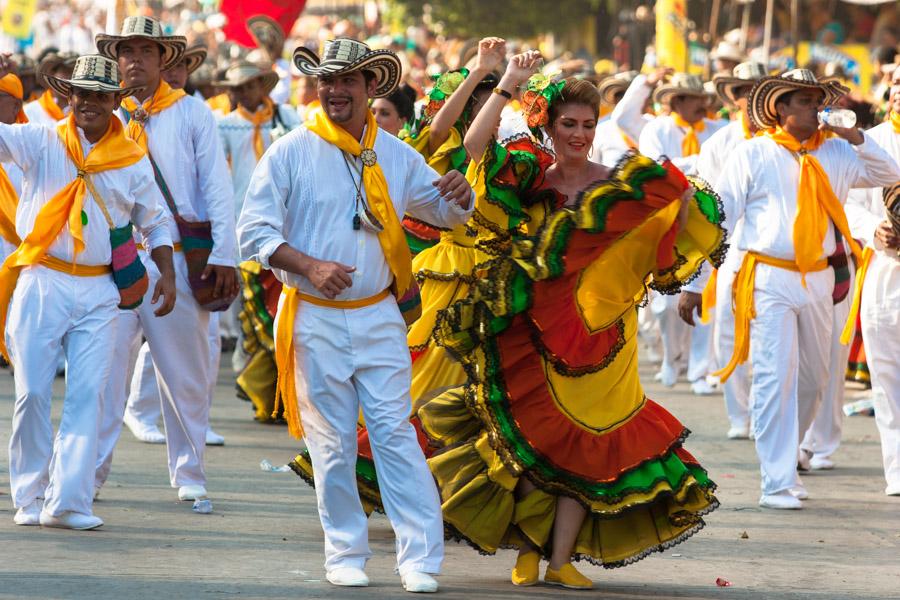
(444, 86)
(540, 92)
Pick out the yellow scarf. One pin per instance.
(895, 121)
(49, 104)
(690, 145)
(259, 118)
(9, 201)
(221, 103)
(816, 202)
(113, 151)
(163, 98)
(392, 239)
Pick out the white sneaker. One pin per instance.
(783, 500)
(892, 490)
(71, 520)
(739, 433)
(31, 514)
(799, 492)
(821, 463)
(347, 577)
(149, 434)
(213, 438)
(702, 388)
(419, 583)
(668, 375)
(191, 492)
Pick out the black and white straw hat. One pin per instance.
(92, 72)
(744, 75)
(614, 85)
(681, 84)
(148, 28)
(241, 72)
(343, 55)
(193, 57)
(768, 90)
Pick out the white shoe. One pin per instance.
(149, 434)
(191, 492)
(347, 577)
(782, 500)
(892, 490)
(799, 492)
(213, 438)
(31, 514)
(668, 375)
(71, 520)
(702, 388)
(821, 463)
(739, 433)
(419, 583)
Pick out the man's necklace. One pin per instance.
(362, 215)
(357, 222)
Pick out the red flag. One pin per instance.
(238, 11)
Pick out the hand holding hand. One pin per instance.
(454, 188)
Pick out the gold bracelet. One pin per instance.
(502, 92)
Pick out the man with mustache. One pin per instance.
(323, 211)
(83, 178)
(178, 133)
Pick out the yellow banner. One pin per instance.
(853, 60)
(17, 17)
(671, 26)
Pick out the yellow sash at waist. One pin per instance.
(176, 246)
(74, 269)
(285, 358)
(745, 311)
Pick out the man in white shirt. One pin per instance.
(880, 301)
(734, 90)
(678, 137)
(789, 187)
(179, 134)
(330, 229)
(11, 94)
(82, 179)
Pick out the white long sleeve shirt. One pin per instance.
(629, 115)
(865, 207)
(661, 137)
(185, 144)
(609, 144)
(302, 194)
(237, 140)
(37, 115)
(129, 193)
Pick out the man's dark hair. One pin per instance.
(369, 75)
(785, 98)
(886, 54)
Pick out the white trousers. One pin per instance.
(144, 400)
(54, 313)
(700, 354)
(881, 335)
(352, 359)
(790, 343)
(737, 389)
(674, 332)
(180, 349)
(824, 436)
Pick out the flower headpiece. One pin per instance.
(444, 86)
(540, 92)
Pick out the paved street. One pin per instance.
(264, 539)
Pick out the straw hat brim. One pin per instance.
(608, 89)
(269, 79)
(383, 63)
(768, 90)
(63, 87)
(173, 46)
(725, 86)
(258, 23)
(665, 92)
(193, 58)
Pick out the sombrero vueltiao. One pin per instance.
(768, 90)
(267, 34)
(193, 57)
(95, 73)
(616, 84)
(147, 28)
(52, 62)
(681, 84)
(745, 74)
(344, 55)
(241, 72)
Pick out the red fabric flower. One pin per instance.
(536, 108)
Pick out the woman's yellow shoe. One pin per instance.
(568, 577)
(526, 571)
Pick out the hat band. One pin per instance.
(104, 80)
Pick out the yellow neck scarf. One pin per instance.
(816, 202)
(745, 125)
(690, 145)
(49, 104)
(221, 103)
(9, 201)
(392, 239)
(895, 121)
(259, 118)
(113, 151)
(163, 98)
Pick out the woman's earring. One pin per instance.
(591, 151)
